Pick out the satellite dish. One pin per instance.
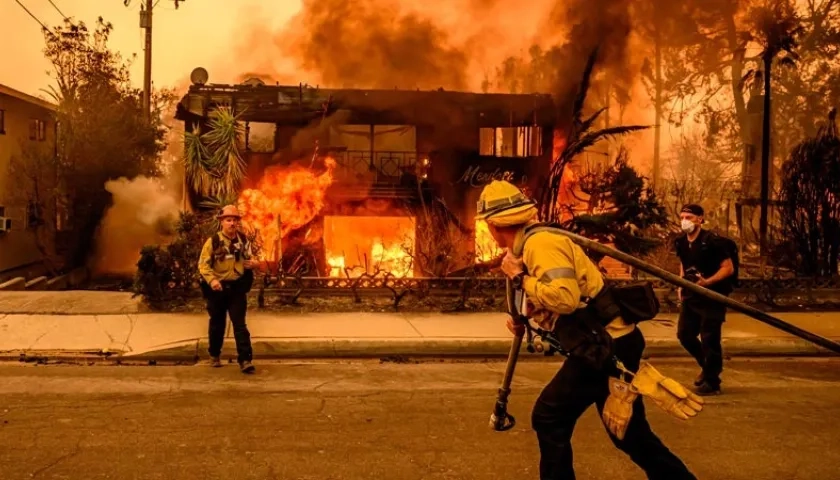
(199, 76)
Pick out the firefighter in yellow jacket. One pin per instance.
(226, 270)
(557, 276)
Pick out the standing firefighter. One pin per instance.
(226, 272)
(557, 277)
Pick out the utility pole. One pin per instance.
(146, 24)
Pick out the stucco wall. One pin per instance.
(17, 247)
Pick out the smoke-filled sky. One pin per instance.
(402, 44)
(369, 43)
(199, 33)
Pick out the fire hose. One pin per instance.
(501, 420)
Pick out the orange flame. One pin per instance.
(368, 244)
(285, 199)
(486, 248)
(559, 145)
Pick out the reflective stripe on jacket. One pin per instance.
(560, 274)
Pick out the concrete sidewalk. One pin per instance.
(183, 337)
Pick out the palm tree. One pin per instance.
(213, 163)
(578, 139)
(777, 28)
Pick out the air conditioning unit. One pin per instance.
(5, 224)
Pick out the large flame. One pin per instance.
(285, 199)
(379, 245)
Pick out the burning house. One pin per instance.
(376, 180)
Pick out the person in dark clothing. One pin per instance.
(226, 270)
(704, 260)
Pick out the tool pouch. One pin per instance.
(583, 336)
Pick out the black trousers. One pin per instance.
(231, 300)
(571, 392)
(703, 318)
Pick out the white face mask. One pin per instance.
(687, 226)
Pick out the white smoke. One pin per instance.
(143, 213)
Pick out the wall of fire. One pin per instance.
(360, 226)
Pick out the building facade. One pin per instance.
(27, 168)
(399, 153)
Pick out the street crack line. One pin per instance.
(32, 346)
(58, 460)
(131, 322)
(107, 333)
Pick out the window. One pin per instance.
(2, 122)
(37, 130)
(510, 142)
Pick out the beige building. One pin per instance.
(27, 179)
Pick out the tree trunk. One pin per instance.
(657, 103)
(765, 159)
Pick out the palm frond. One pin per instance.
(587, 124)
(56, 96)
(580, 98)
(196, 165)
(223, 140)
(591, 138)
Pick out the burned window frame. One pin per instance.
(527, 141)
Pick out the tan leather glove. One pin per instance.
(618, 409)
(666, 392)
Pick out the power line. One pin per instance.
(57, 10)
(31, 15)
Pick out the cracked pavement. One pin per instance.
(368, 420)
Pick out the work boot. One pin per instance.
(699, 380)
(215, 362)
(246, 367)
(706, 389)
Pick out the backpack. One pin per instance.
(635, 302)
(732, 249)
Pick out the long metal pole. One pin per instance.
(147, 73)
(681, 282)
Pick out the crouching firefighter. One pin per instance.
(227, 276)
(568, 298)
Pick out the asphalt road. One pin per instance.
(778, 419)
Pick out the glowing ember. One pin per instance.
(373, 245)
(285, 199)
(486, 248)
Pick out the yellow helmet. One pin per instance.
(502, 204)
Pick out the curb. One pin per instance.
(290, 348)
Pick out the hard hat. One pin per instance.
(229, 211)
(501, 199)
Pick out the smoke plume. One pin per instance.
(470, 45)
(448, 44)
(142, 213)
(389, 43)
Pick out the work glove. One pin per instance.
(618, 409)
(666, 392)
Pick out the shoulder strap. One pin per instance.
(214, 244)
(530, 230)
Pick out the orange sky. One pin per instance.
(197, 34)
